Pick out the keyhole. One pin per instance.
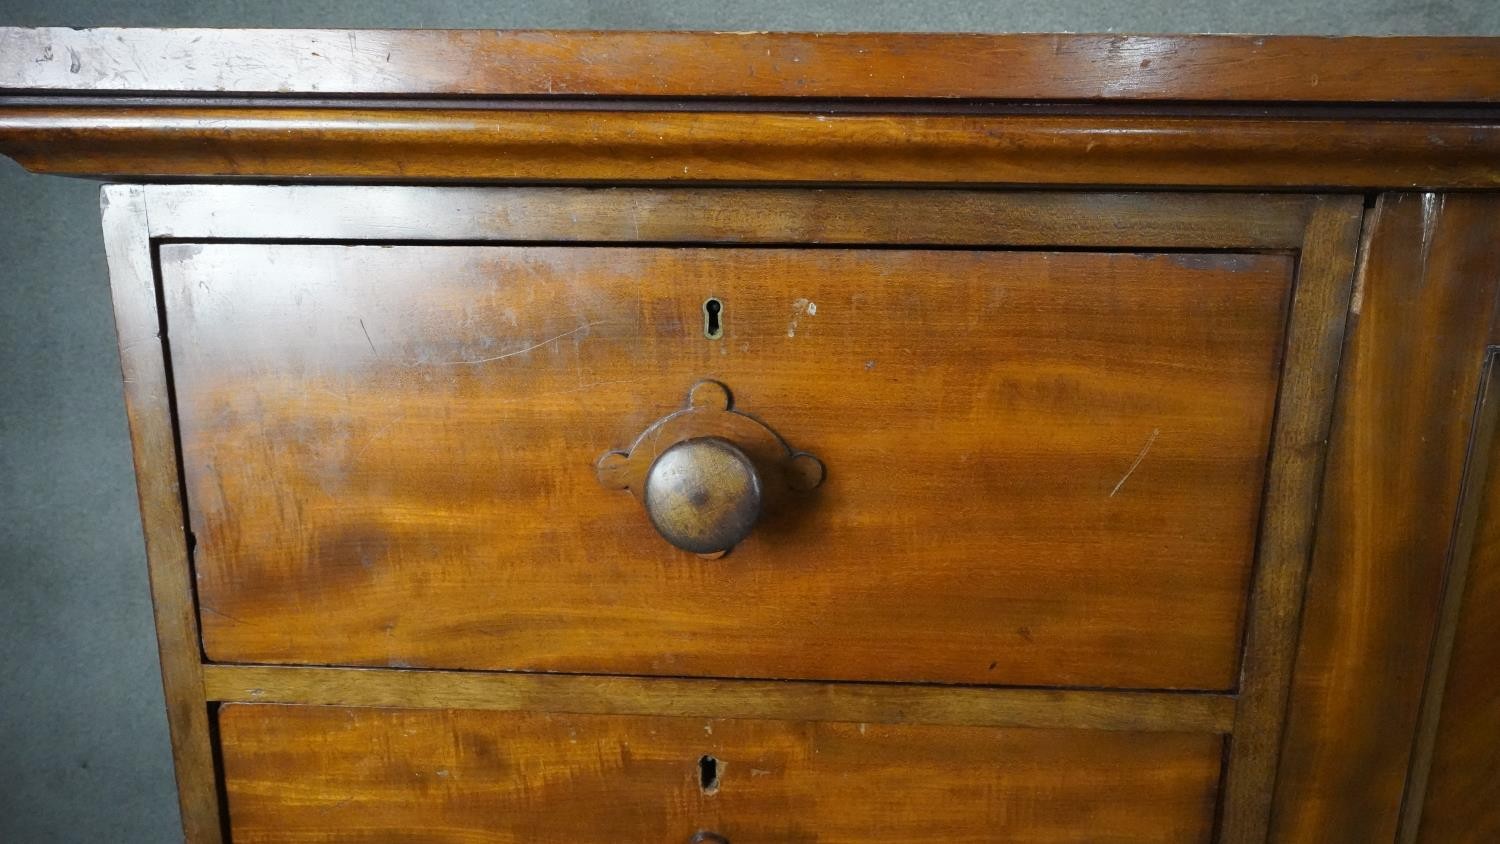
(708, 774)
(713, 326)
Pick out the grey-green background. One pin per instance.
(83, 742)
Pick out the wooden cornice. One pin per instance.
(571, 146)
(445, 106)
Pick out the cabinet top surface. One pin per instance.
(560, 64)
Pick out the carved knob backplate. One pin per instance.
(704, 472)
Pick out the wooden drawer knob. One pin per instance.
(705, 472)
(705, 837)
(702, 495)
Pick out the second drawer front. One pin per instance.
(328, 774)
(1042, 468)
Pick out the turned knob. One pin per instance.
(704, 472)
(702, 495)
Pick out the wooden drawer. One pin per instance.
(1043, 467)
(332, 774)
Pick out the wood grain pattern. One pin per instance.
(1456, 753)
(1315, 339)
(618, 146)
(796, 65)
(1425, 309)
(1462, 798)
(759, 215)
(1043, 468)
(331, 774)
(875, 703)
(148, 407)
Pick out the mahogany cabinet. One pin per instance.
(770, 437)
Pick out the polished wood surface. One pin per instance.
(876, 703)
(1423, 312)
(1462, 797)
(1452, 793)
(287, 142)
(1044, 468)
(757, 64)
(330, 774)
(148, 408)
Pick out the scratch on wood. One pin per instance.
(212, 611)
(367, 338)
(380, 432)
(332, 806)
(1151, 440)
(1432, 208)
(1366, 242)
(586, 326)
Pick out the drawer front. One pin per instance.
(326, 774)
(1043, 468)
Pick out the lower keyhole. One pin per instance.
(708, 774)
(713, 324)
